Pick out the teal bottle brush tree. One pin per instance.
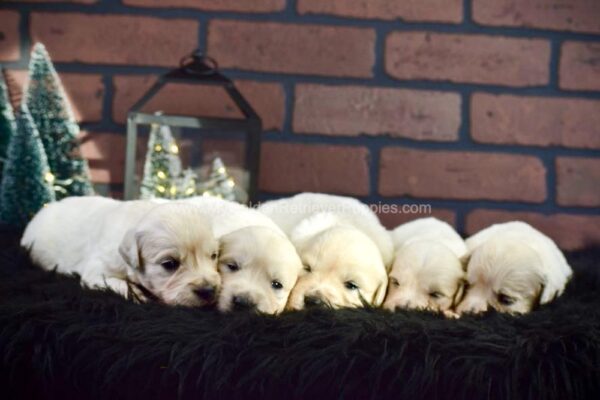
(26, 180)
(51, 112)
(7, 121)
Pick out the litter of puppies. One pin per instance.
(309, 250)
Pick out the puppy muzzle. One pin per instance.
(206, 293)
(314, 301)
(243, 303)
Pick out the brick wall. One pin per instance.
(488, 110)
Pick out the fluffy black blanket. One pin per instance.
(60, 341)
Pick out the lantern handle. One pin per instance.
(197, 63)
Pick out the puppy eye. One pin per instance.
(436, 295)
(505, 300)
(213, 256)
(233, 267)
(394, 282)
(350, 285)
(275, 284)
(170, 265)
(307, 268)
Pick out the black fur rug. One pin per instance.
(60, 341)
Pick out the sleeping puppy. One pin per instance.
(427, 272)
(166, 251)
(512, 268)
(259, 265)
(344, 249)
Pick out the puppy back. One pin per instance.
(290, 212)
(429, 229)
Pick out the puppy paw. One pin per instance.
(451, 314)
(117, 285)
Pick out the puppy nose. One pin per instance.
(241, 303)
(313, 301)
(206, 293)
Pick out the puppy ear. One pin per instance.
(129, 249)
(461, 290)
(464, 260)
(537, 301)
(547, 293)
(379, 295)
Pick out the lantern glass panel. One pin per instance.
(197, 151)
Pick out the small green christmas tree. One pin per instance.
(52, 114)
(26, 180)
(187, 184)
(162, 167)
(7, 120)
(220, 183)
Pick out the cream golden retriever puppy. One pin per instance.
(258, 264)
(512, 268)
(427, 272)
(344, 249)
(167, 251)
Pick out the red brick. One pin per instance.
(295, 167)
(292, 48)
(254, 6)
(10, 42)
(391, 220)
(571, 232)
(355, 110)
(84, 91)
(461, 175)
(231, 151)
(563, 15)
(105, 153)
(268, 99)
(578, 181)
(422, 10)
(14, 84)
(467, 58)
(114, 39)
(580, 65)
(537, 121)
(128, 89)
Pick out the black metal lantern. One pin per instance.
(195, 69)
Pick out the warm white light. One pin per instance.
(48, 177)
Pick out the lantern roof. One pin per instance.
(195, 69)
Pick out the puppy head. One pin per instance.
(259, 267)
(173, 254)
(342, 268)
(425, 275)
(504, 274)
